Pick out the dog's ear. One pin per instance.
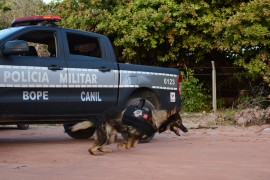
(175, 110)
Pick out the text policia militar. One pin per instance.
(42, 77)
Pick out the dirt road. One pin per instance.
(46, 152)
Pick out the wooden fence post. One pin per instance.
(214, 87)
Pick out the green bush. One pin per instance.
(257, 96)
(193, 94)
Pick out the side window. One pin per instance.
(83, 45)
(41, 43)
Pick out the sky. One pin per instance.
(46, 1)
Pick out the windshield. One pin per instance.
(6, 32)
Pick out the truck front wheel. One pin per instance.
(149, 105)
(81, 134)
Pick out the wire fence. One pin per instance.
(231, 83)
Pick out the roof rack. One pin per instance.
(36, 20)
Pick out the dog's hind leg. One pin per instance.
(105, 150)
(111, 140)
(98, 150)
(101, 140)
(112, 137)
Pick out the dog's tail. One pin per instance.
(82, 125)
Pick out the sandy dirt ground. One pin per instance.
(46, 152)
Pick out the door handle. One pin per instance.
(104, 69)
(55, 68)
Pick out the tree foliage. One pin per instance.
(4, 10)
(10, 9)
(145, 29)
(81, 14)
(246, 35)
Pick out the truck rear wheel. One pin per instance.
(81, 134)
(22, 126)
(149, 105)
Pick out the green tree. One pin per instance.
(81, 14)
(4, 9)
(10, 9)
(246, 36)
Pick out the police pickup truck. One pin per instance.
(50, 74)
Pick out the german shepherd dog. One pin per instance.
(114, 121)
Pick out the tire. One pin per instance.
(81, 134)
(23, 126)
(149, 105)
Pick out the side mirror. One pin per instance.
(15, 47)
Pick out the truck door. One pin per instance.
(92, 79)
(30, 82)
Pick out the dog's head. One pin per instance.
(176, 125)
(173, 123)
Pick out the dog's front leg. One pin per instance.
(132, 142)
(122, 144)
